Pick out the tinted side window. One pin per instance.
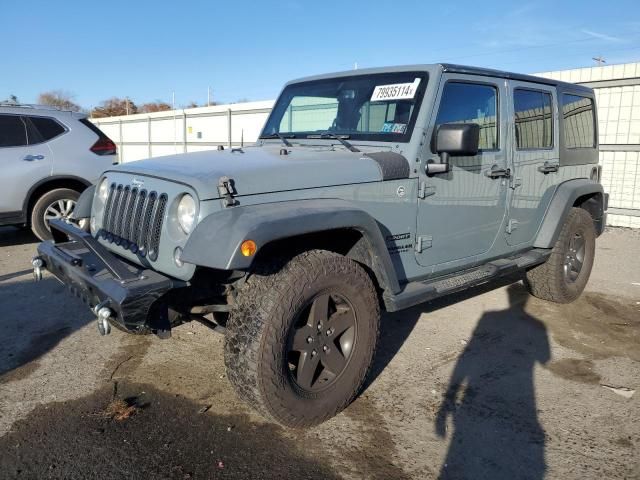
(13, 131)
(579, 125)
(47, 127)
(471, 103)
(533, 118)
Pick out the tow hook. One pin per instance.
(104, 314)
(37, 263)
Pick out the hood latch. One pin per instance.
(227, 189)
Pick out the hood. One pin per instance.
(260, 169)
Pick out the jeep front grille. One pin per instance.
(133, 219)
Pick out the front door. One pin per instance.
(463, 210)
(23, 161)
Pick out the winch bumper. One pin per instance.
(117, 291)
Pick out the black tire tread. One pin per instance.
(270, 292)
(546, 281)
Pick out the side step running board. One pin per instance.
(414, 293)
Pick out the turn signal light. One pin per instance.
(248, 248)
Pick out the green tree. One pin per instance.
(11, 99)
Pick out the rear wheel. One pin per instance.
(564, 275)
(58, 203)
(302, 336)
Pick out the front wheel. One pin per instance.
(302, 336)
(564, 275)
(55, 204)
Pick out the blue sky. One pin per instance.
(243, 49)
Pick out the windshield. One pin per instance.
(380, 107)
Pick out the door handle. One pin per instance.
(549, 167)
(31, 158)
(498, 172)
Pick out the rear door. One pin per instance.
(24, 161)
(535, 156)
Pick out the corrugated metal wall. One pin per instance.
(189, 130)
(617, 89)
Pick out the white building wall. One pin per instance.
(617, 89)
(189, 130)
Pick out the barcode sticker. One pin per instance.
(397, 91)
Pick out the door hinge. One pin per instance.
(425, 190)
(512, 225)
(515, 182)
(422, 242)
(227, 189)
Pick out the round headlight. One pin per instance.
(187, 213)
(103, 190)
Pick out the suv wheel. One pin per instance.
(302, 336)
(564, 275)
(58, 203)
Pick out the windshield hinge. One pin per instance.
(425, 190)
(226, 189)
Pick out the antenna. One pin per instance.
(599, 60)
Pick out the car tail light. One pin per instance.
(104, 146)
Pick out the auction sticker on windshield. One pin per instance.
(396, 91)
(390, 127)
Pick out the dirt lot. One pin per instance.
(490, 384)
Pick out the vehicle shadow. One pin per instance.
(34, 318)
(16, 236)
(396, 327)
(490, 396)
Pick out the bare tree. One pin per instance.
(156, 106)
(59, 99)
(114, 107)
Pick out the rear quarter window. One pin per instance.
(579, 124)
(48, 128)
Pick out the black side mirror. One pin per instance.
(454, 140)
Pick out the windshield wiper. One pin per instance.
(286, 142)
(340, 138)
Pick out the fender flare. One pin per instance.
(216, 241)
(563, 200)
(83, 205)
(45, 180)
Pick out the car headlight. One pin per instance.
(103, 190)
(187, 213)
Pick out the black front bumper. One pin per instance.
(99, 278)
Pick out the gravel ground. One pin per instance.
(489, 384)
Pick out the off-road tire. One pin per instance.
(38, 225)
(548, 281)
(267, 308)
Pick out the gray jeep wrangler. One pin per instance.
(367, 190)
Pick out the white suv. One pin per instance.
(47, 158)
